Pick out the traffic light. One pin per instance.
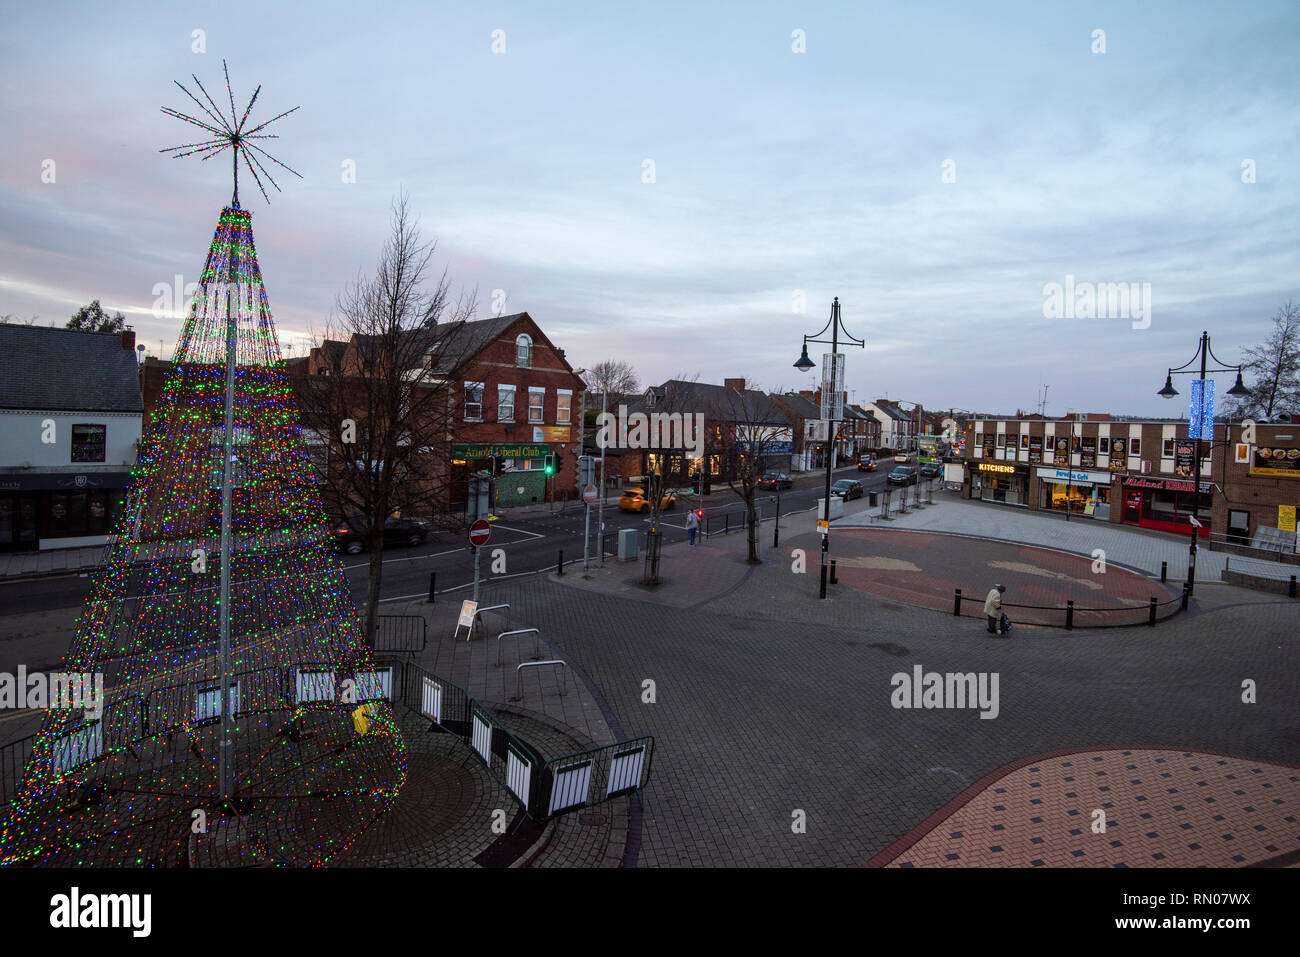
(550, 465)
(699, 513)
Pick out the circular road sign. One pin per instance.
(479, 532)
(589, 495)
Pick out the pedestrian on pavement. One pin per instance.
(993, 607)
(692, 524)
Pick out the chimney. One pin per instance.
(737, 384)
(128, 340)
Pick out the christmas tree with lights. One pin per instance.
(242, 721)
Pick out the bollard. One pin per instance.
(1291, 591)
(1069, 614)
(1164, 571)
(726, 526)
(559, 565)
(834, 580)
(776, 533)
(1151, 614)
(1186, 593)
(432, 578)
(956, 604)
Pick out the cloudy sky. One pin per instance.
(935, 166)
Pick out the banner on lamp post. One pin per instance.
(833, 386)
(1200, 412)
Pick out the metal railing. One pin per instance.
(536, 633)
(13, 760)
(542, 788)
(519, 676)
(580, 780)
(401, 634)
(1065, 615)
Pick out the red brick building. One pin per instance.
(513, 406)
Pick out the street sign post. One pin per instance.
(589, 495)
(479, 533)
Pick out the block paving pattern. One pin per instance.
(1162, 809)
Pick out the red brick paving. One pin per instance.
(1033, 576)
(1162, 809)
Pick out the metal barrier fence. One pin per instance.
(580, 780)
(1067, 615)
(401, 634)
(543, 788)
(131, 719)
(13, 760)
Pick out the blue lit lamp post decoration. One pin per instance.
(1200, 420)
(832, 400)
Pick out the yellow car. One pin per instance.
(635, 500)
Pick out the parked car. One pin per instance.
(931, 469)
(903, 475)
(848, 489)
(348, 534)
(636, 500)
(866, 464)
(776, 480)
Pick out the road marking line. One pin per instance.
(521, 531)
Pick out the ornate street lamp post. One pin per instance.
(831, 383)
(1196, 427)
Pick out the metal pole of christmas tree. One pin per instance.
(225, 770)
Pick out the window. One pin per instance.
(536, 396)
(1024, 440)
(523, 351)
(1103, 445)
(1002, 439)
(563, 402)
(505, 403)
(473, 401)
(88, 443)
(1168, 450)
(1135, 447)
(979, 438)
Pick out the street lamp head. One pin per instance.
(1239, 389)
(804, 363)
(1168, 391)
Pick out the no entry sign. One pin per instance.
(589, 495)
(479, 532)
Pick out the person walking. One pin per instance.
(993, 607)
(692, 524)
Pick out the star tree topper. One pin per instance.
(230, 135)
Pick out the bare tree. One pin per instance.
(384, 405)
(1274, 365)
(755, 426)
(612, 376)
(669, 433)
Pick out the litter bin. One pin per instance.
(873, 498)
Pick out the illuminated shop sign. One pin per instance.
(989, 467)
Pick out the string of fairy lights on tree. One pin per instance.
(310, 773)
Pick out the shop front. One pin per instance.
(1003, 483)
(1166, 504)
(42, 510)
(1083, 492)
(518, 471)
